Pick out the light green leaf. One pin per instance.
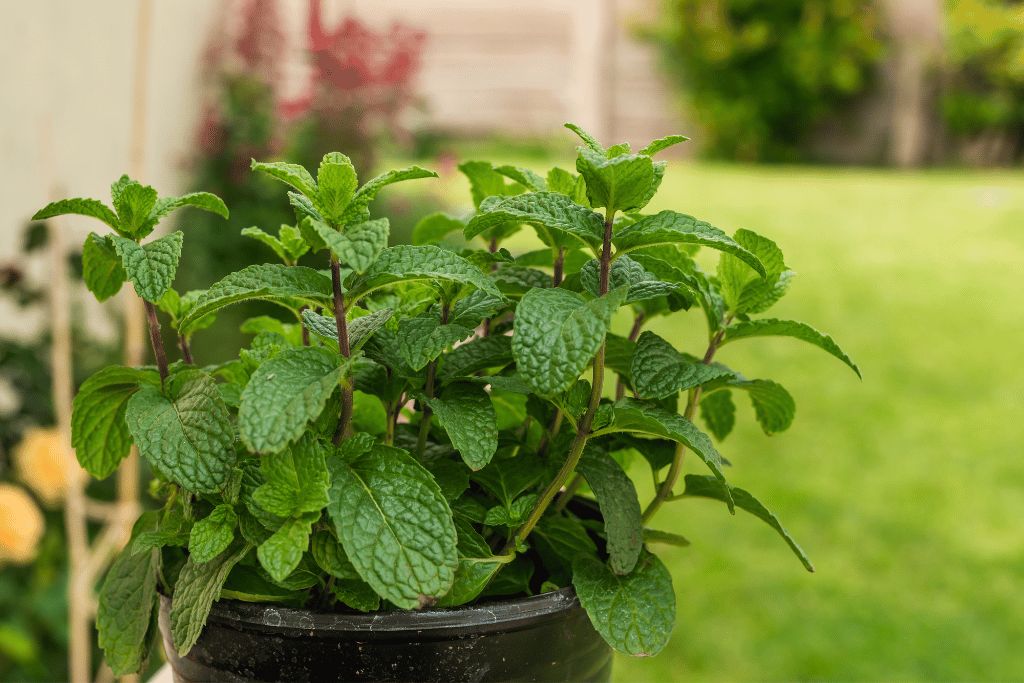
(632, 415)
(424, 338)
(670, 227)
(709, 487)
(681, 268)
(133, 203)
(556, 336)
(395, 524)
(189, 438)
(616, 495)
(99, 434)
(625, 272)
(622, 183)
(200, 200)
(666, 537)
(336, 183)
(212, 534)
(550, 210)
(592, 142)
(365, 194)
(511, 516)
(633, 613)
(658, 370)
(743, 290)
(719, 413)
(434, 228)
(524, 176)
(284, 394)
(280, 554)
(477, 564)
(466, 413)
(101, 267)
(268, 240)
(356, 246)
(484, 181)
(81, 207)
(125, 607)
(773, 327)
(475, 355)
(773, 405)
(197, 587)
(662, 143)
(297, 479)
(293, 174)
(331, 556)
(405, 263)
(283, 284)
(150, 267)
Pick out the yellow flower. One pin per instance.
(43, 460)
(21, 525)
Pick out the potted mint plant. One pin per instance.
(417, 476)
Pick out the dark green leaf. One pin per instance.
(625, 272)
(466, 413)
(476, 566)
(475, 355)
(268, 240)
(658, 370)
(331, 556)
(405, 263)
(213, 534)
(550, 210)
(619, 504)
(668, 538)
(524, 176)
(356, 246)
(773, 405)
(773, 327)
(357, 594)
(559, 540)
(719, 413)
(197, 587)
(150, 267)
(125, 606)
(101, 267)
(280, 554)
(424, 338)
(81, 207)
(506, 479)
(434, 228)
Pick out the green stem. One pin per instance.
(342, 326)
(568, 493)
(545, 438)
(389, 422)
(638, 323)
(428, 389)
(186, 350)
(156, 340)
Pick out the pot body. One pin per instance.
(542, 638)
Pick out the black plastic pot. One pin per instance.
(542, 638)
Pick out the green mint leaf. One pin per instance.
(99, 434)
(622, 183)
(451, 476)
(625, 272)
(163, 207)
(475, 355)
(513, 514)
(395, 524)
(743, 290)
(658, 370)
(666, 537)
(557, 334)
(284, 394)
(407, 263)
(524, 176)
(356, 594)
(212, 535)
(199, 584)
(616, 495)
(424, 338)
(773, 327)
(548, 210)
(662, 143)
(304, 208)
(719, 413)
(150, 267)
(101, 267)
(331, 556)
(274, 281)
(268, 240)
(293, 243)
(471, 310)
(248, 585)
(592, 143)
(638, 416)
(356, 246)
(359, 329)
(681, 268)
(124, 611)
(659, 453)
(336, 183)
(633, 613)
(618, 355)
(133, 202)
(559, 541)
(616, 150)
(670, 227)
(365, 194)
(81, 207)
(300, 473)
(292, 174)
(280, 554)
(477, 564)
(466, 413)
(506, 479)
(189, 438)
(484, 181)
(773, 406)
(434, 228)
(709, 487)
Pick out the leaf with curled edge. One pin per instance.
(719, 413)
(198, 585)
(395, 525)
(551, 210)
(365, 194)
(426, 263)
(424, 338)
(101, 267)
(359, 329)
(281, 553)
(466, 413)
(662, 143)
(81, 207)
(292, 174)
(189, 438)
(616, 495)
(622, 183)
(163, 207)
(285, 393)
(272, 281)
(634, 613)
(150, 267)
(125, 607)
(356, 246)
(625, 272)
(773, 327)
(212, 534)
(658, 370)
(475, 355)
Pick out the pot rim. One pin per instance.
(505, 615)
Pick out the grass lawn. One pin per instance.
(906, 489)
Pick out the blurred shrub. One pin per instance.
(984, 91)
(759, 75)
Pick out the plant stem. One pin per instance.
(186, 350)
(559, 264)
(568, 493)
(342, 326)
(583, 427)
(428, 389)
(389, 422)
(552, 430)
(156, 340)
(664, 492)
(638, 323)
(305, 330)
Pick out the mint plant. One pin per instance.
(419, 430)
